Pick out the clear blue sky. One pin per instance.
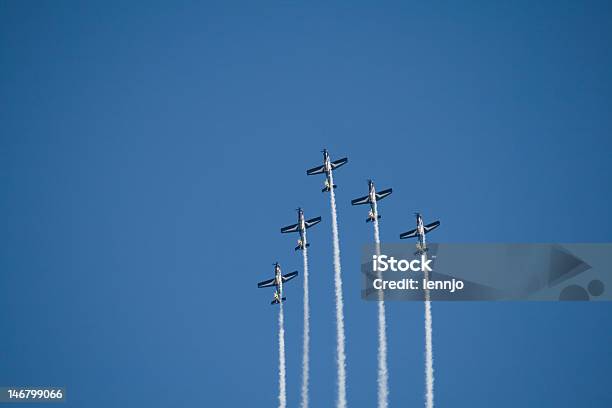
(149, 155)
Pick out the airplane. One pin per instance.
(277, 281)
(327, 168)
(301, 227)
(372, 198)
(420, 232)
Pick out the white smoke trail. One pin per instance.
(282, 386)
(383, 373)
(429, 371)
(306, 336)
(341, 357)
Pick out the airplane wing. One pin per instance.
(289, 276)
(266, 283)
(361, 200)
(432, 226)
(409, 234)
(383, 194)
(338, 163)
(315, 170)
(290, 228)
(313, 221)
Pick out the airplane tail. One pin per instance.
(326, 188)
(275, 301)
(302, 246)
(370, 219)
(421, 249)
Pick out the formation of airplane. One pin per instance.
(277, 281)
(327, 168)
(420, 231)
(371, 199)
(301, 227)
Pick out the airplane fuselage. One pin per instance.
(420, 231)
(372, 194)
(327, 167)
(301, 229)
(327, 162)
(278, 280)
